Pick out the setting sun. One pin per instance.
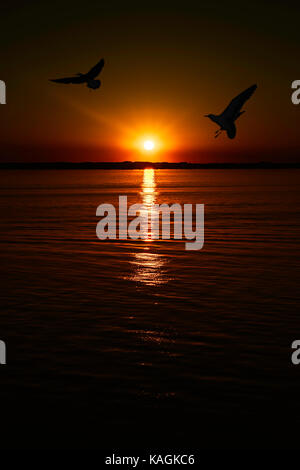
(149, 145)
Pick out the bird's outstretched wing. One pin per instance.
(95, 70)
(237, 103)
(67, 80)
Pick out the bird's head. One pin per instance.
(94, 84)
(213, 117)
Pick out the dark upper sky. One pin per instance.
(167, 64)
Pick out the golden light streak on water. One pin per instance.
(149, 266)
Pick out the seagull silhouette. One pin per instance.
(233, 111)
(88, 78)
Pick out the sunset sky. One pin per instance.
(167, 64)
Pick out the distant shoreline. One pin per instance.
(143, 165)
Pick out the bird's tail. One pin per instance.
(231, 131)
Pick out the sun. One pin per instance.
(149, 145)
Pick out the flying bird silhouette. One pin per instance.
(88, 78)
(226, 120)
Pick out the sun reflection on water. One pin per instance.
(149, 267)
(149, 195)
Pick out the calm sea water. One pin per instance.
(140, 343)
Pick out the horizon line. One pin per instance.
(136, 164)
